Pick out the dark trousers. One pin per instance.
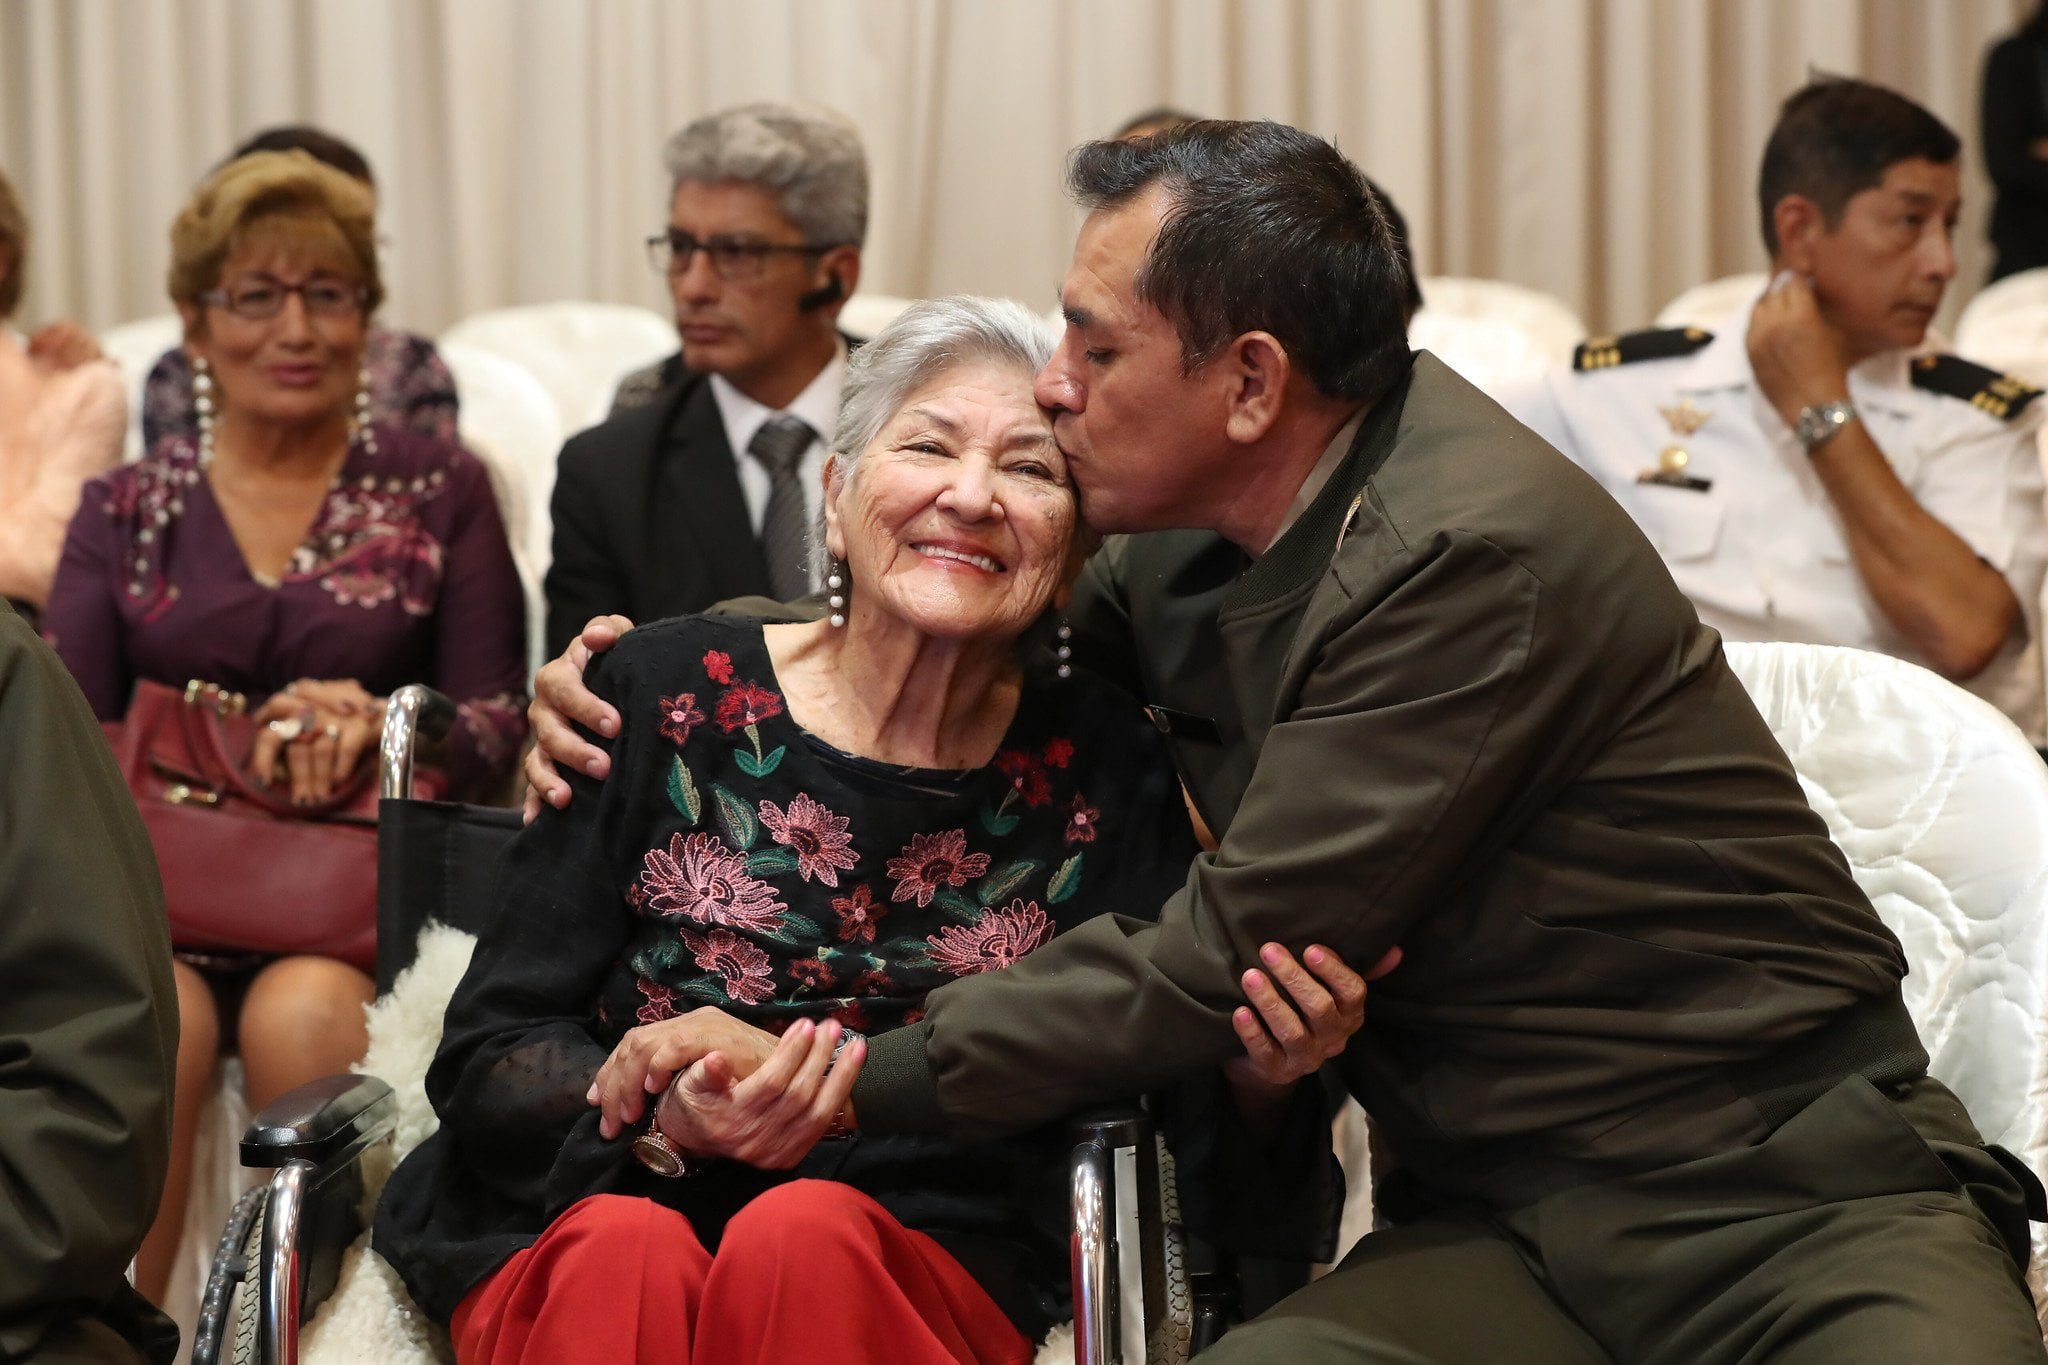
(1869, 1227)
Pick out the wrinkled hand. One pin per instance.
(1799, 358)
(648, 1058)
(773, 1117)
(314, 734)
(58, 346)
(1287, 1037)
(560, 697)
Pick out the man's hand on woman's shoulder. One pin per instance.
(560, 702)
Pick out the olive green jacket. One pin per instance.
(88, 1027)
(1460, 707)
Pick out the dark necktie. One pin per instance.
(785, 528)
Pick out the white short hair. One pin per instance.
(926, 339)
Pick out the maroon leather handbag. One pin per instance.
(243, 868)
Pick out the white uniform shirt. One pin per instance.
(1761, 551)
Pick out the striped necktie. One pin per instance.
(785, 528)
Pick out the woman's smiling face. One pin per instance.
(958, 519)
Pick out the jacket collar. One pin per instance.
(1881, 381)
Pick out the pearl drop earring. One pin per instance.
(835, 585)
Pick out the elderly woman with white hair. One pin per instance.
(807, 827)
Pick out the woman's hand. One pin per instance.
(560, 697)
(314, 734)
(773, 1117)
(1287, 1037)
(649, 1057)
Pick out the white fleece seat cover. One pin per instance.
(1942, 807)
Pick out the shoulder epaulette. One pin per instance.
(1659, 343)
(2000, 395)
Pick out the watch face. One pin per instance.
(658, 1154)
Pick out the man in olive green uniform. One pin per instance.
(88, 1028)
(1644, 1069)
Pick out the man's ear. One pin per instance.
(1256, 372)
(1800, 225)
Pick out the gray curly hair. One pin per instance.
(808, 154)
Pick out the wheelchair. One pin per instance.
(1138, 1299)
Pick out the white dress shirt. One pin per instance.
(1761, 549)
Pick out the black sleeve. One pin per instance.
(518, 1048)
(2012, 115)
(584, 579)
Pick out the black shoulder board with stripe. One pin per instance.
(2000, 395)
(1662, 343)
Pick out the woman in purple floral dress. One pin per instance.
(806, 829)
(299, 556)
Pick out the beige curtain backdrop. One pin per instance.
(1603, 150)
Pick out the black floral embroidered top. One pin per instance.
(786, 879)
(734, 859)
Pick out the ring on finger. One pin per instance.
(330, 732)
(287, 728)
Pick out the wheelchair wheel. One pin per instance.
(232, 1285)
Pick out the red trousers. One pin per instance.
(811, 1271)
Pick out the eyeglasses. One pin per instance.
(260, 297)
(733, 258)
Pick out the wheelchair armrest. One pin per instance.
(414, 712)
(1124, 1124)
(321, 1121)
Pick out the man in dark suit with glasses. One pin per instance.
(701, 484)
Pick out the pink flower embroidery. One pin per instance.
(747, 704)
(818, 836)
(741, 966)
(1057, 752)
(858, 915)
(719, 665)
(661, 1002)
(853, 1015)
(995, 940)
(811, 973)
(1081, 818)
(930, 861)
(359, 587)
(1027, 775)
(679, 716)
(701, 878)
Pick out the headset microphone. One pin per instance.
(831, 291)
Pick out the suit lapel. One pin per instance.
(700, 531)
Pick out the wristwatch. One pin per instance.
(658, 1152)
(1818, 424)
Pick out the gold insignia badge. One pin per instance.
(1685, 419)
(1672, 463)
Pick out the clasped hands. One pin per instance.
(729, 1089)
(312, 734)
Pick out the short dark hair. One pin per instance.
(1835, 138)
(317, 143)
(1399, 225)
(1268, 229)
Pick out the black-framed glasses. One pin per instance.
(733, 258)
(260, 297)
